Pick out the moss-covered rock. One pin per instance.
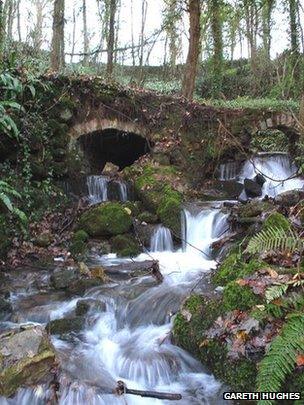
(27, 358)
(148, 217)
(169, 210)
(125, 245)
(234, 267)
(276, 220)
(65, 325)
(239, 297)
(155, 188)
(106, 219)
(78, 244)
(190, 325)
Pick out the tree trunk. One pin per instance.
(266, 25)
(85, 33)
(111, 38)
(217, 63)
(132, 35)
(144, 6)
(194, 49)
(10, 20)
(293, 26)
(37, 40)
(2, 32)
(57, 54)
(73, 35)
(19, 21)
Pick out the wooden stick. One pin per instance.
(122, 389)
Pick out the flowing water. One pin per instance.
(131, 340)
(277, 168)
(99, 189)
(162, 240)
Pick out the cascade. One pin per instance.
(161, 240)
(130, 340)
(97, 188)
(277, 168)
(123, 190)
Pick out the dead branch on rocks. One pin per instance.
(122, 389)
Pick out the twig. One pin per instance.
(121, 389)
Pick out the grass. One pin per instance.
(254, 103)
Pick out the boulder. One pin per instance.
(65, 325)
(252, 188)
(290, 198)
(27, 358)
(106, 220)
(63, 277)
(125, 245)
(89, 305)
(110, 169)
(147, 217)
(44, 240)
(260, 179)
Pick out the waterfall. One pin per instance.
(228, 171)
(101, 188)
(201, 230)
(161, 240)
(275, 168)
(123, 190)
(97, 188)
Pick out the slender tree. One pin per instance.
(111, 37)
(217, 37)
(172, 16)
(293, 25)
(85, 33)
(267, 9)
(188, 85)
(2, 31)
(57, 54)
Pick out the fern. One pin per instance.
(274, 239)
(6, 192)
(275, 292)
(280, 360)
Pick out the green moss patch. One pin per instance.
(234, 267)
(106, 219)
(125, 245)
(239, 297)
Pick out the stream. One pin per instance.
(130, 339)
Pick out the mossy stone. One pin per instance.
(239, 297)
(125, 245)
(65, 325)
(148, 217)
(234, 267)
(78, 244)
(106, 219)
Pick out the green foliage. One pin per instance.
(275, 292)
(7, 192)
(274, 239)
(280, 360)
(254, 103)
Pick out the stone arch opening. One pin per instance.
(112, 145)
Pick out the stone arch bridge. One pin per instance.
(191, 132)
